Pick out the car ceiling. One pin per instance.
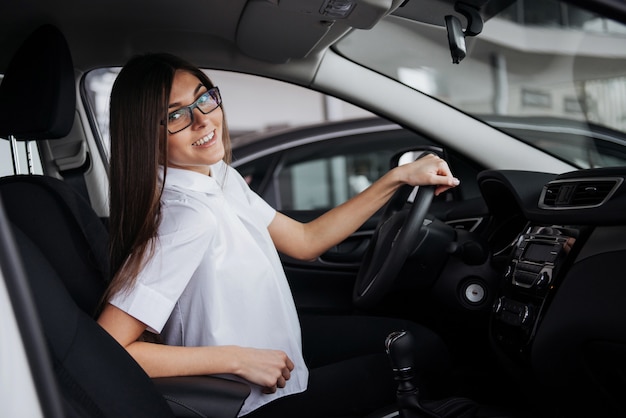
(108, 32)
(214, 33)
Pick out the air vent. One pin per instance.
(578, 194)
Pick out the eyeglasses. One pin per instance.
(183, 118)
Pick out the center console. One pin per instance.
(531, 277)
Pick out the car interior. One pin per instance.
(523, 281)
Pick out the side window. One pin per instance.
(329, 181)
(326, 174)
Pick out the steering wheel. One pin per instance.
(395, 238)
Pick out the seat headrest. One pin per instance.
(37, 94)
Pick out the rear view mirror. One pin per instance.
(456, 39)
(456, 34)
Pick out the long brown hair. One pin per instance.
(139, 107)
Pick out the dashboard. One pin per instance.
(559, 316)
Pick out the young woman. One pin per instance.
(196, 256)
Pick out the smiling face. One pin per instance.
(200, 145)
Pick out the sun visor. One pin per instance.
(277, 31)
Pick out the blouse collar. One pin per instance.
(191, 180)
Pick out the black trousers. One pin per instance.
(349, 372)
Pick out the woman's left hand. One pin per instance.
(428, 170)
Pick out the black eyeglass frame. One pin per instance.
(213, 93)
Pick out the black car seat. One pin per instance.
(63, 245)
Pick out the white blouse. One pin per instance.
(215, 277)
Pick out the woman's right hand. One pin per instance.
(269, 369)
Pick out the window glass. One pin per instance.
(327, 174)
(326, 182)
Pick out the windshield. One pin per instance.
(546, 72)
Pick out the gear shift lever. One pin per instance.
(400, 348)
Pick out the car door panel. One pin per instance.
(325, 284)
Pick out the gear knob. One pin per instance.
(400, 350)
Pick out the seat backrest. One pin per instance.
(63, 243)
(64, 228)
(37, 102)
(96, 376)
